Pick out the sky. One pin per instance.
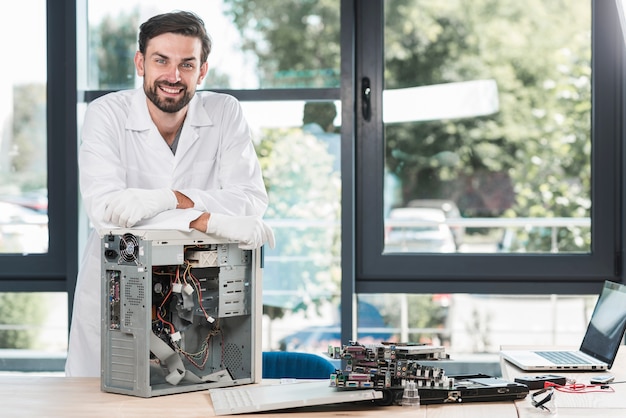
(25, 60)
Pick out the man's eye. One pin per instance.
(187, 66)
(160, 61)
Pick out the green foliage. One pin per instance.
(533, 155)
(27, 169)
(114, 42)
(535, 152)
(20, 316)
(531, 158)
(540, 119)
(423, 310)
(302, 187)
(298, 44)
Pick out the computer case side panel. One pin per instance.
(180, 312)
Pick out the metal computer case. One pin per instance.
(181, 311)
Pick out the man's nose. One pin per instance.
(173, 74)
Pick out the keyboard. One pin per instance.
(231, 399)
(563, 357)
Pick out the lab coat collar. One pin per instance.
(139, 117)
(196, 114)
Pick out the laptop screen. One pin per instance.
(608, 322)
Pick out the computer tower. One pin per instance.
(181, 312)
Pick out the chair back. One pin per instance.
(296, 365)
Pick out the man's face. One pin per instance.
(171, 70)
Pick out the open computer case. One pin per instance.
(181, 311)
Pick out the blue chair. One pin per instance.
(296, 365)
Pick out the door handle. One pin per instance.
(366, 94)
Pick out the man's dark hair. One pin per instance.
(180, 22)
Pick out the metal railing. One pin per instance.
(501, 223)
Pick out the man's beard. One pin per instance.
(167, 105)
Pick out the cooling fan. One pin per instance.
(129, 247)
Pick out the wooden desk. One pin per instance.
(577, 404)
(41, 396)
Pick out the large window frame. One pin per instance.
(55, 270)
(364, 267)
(492, 273)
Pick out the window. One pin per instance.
(321, 53)
(38, 193)
(460, 242)
(37, 142)
(546, 254)
(458, 119)
(23, 164)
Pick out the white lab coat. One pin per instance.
(215, 165)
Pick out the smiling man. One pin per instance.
(163, 157)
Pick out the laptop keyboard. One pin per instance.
(562, 357)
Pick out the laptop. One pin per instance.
(599, 346)
(247, 399)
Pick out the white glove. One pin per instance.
(129, 206)
(250, 231)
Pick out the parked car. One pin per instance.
(36, 200)
(418, 230)
(450, 210)
(317, 338)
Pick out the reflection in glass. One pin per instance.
(23, 133)
(473, 123)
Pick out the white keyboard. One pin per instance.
(231, 400)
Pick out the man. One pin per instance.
(163, 156)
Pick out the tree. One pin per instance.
(529, 159)
(28, 146)
(21, 314)
(537, 146)
(114, 42)
(303, 189)
(296, 41)
(287, 37)
(532, 158)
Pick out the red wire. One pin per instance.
(579, 388)
(199, 291)
(172, 329)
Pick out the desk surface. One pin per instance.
(28, 396)
(602, 404)
(44, 396)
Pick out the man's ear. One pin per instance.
(139, 63)
(204, 68)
